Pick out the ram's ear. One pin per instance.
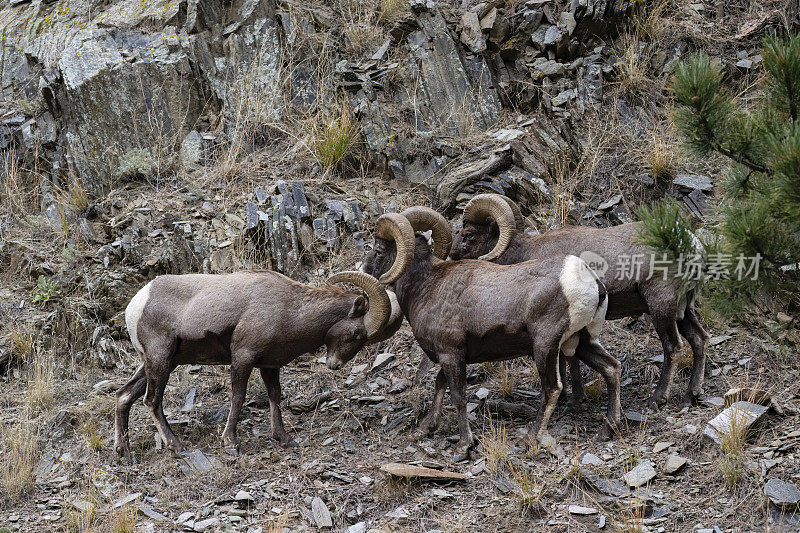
(360, 307)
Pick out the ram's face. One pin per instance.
(473, 241)
(380, 259)
(345, 338)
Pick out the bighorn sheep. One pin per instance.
(489, 233)
(464, 312)
(255, 319)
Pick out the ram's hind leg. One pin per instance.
(157, 368)
(546, 353)
(271, 377)
(241, 368)
(591, 352)
(693, 331)
(126, 395)
(667, 330)
(431, 420)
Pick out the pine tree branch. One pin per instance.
(717, 146)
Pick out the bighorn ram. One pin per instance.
(256, 319)
(464, 312)
(490, 234)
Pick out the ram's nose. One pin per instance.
(334, 364)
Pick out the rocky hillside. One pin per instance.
(150, 137)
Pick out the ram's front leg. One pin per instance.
(241, 367)
(455, 370)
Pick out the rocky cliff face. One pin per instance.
(89, 85)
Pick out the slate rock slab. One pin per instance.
(781, 493)
(738, 415)
(411, 471)
(641, 474)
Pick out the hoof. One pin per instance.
(605, 434)
(459, 457)
(690, 400)
(656, 401)
(232, 451)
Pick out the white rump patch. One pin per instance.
(133, 313)
(579, 284)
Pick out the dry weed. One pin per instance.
(22, 342)
(82, 518)
(494, 445)
(393, 10)
(633, 73)
(277, 524)
(660, 158)
(124, 520)
(17, 186)
(594, 389)
(528, 492)
(332, 139)
(18, 462)
(94, 437)
(41, 388)
(504, 377)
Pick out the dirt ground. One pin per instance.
(365, 419)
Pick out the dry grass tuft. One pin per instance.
(124, 520)
(18, 462)
(528, 492)
(393, 10)
(94, 437)
(330, 143)
(731, 464)
(277, 524)
(22, 341)
(660, 158)
(494, 444)
(83, 519)
(633, 76)
(594, 389)
(41, 389)
(18, 187)
(652, 23)
(504, 377)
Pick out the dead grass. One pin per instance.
(528, 491)
(731, 463)
(18, 187)
(41, 389)
(504, 377)
(94, 437)
(22, 341)
(652, 23)
(277, 524)
(633, 76)
(393, 10)
(124, 519)
(494, 445)
(18, 462)
(660, 158)
(332, 137)
(83, 519)
(594, 389)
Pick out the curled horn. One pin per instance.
(394, 322)
(397, 228)
(424, 219)
(485, 207)
(518, 218)
(380, 307)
